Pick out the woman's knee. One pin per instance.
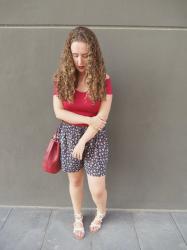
(97, 185)
(76, 179)
(76, 183)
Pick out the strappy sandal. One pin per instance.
(97, 222)
(78, 228)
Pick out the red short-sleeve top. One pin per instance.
(82, 104)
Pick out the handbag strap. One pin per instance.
(56, 135)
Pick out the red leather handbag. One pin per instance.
(51, 159)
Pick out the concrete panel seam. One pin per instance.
(45, 231)
(175, 223)
(113, 27)
(6, 218)
(134, 227)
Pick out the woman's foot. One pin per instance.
(97, 222)
(78, 228)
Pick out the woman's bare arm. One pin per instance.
(103, 113)
(66, 115)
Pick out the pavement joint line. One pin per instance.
(177, 227)
(85, 208)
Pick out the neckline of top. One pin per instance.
(83, 92)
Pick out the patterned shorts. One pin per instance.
(95, 155)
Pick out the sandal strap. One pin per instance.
(99, 216)
(78, 219)
(78, 229)
(98, 226)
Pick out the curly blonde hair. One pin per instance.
(66, 75)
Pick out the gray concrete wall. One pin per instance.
(144, 44)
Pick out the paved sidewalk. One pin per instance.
(51, 229)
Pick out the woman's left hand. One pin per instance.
(78, 150)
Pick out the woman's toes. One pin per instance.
(93, 229)
(78, 235)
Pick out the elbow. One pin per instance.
(59, 114)
(56, 114)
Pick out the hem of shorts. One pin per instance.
(66, 171)
(97, 175)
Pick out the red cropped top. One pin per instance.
(82, 104)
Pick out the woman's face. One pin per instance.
(79, 52)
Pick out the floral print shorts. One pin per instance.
(95, 155)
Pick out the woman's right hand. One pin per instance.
(97, 123)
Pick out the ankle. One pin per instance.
(102, 211)
(77, 212)
(78, 217)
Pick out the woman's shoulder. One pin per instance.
(107, 77)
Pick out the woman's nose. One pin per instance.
(79, 60)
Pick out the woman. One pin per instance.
(82, 100)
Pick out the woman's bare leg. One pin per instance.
(99, 194)
(76, 183)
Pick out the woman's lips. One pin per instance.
(81, 67)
